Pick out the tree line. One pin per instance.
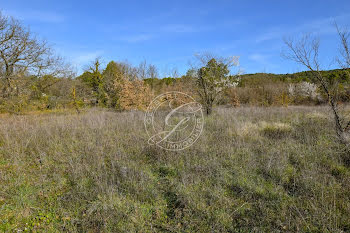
(33, 77)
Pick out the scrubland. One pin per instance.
(254, 169)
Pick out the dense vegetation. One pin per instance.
(34, 78)
(74, 155)
(110, 86)
(251, 170)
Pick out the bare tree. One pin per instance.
(174, 73)
(152, 71)
(152, 74)
(306, 52)
(21, 53)
(344, 50)
(142, 70)
(129, 71)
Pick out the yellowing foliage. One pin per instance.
(133, 95)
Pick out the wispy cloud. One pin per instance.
(34, 15)
(272, 34)
(265, 60)
(320, 26)
(185, 28)
(137, 38)
(133, 33)
(258, 57)
(161, 31)
(179, 28)
(80, 59)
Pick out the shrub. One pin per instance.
(275, 130)
(133, 95)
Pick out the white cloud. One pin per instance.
(137, 38)
(261, 58)
(42, 16)
(273, 34)
(79, 60)
(179, 28)
(320, 26)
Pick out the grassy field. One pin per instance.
(252, 170)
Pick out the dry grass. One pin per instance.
(253, 169)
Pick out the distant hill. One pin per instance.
(341, 75)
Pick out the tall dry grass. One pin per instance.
(253, 169)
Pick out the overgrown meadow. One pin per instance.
(254, 169)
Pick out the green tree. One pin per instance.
(94, 79)
(111, 74)
(212, 80)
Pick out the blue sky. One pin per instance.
(168, 33)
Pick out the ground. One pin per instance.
(253, 169)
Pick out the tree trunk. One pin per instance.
(208, 109)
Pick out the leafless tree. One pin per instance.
(174, 73)
(152, 71)
(21, 53)
(142, 70)
(305, 51)
(129, 71)
(152, 74)
(344, 50)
